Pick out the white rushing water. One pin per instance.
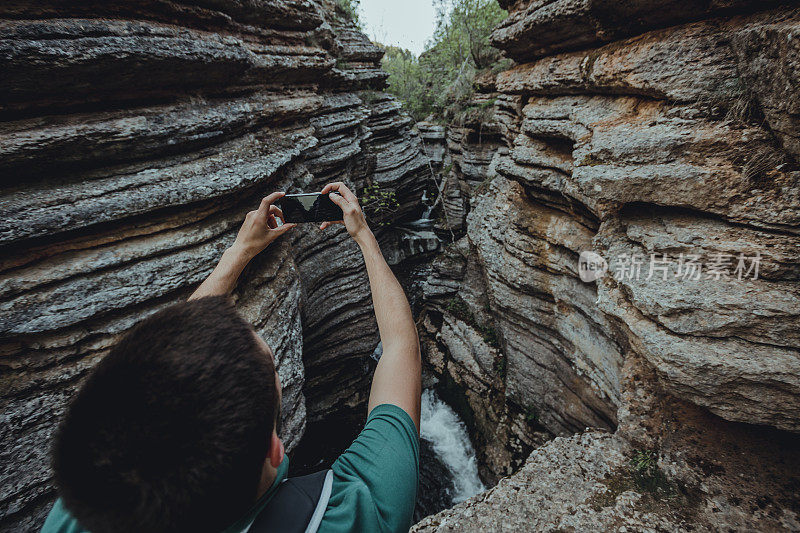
(441, 426)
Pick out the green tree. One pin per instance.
(441, 79)
(408, 81)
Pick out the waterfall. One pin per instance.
(447, 433)
(377, 352)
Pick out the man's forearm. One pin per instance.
(223, 279)
(395, 321)
(259, 229)
(397, 378)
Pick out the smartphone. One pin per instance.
(310, 207)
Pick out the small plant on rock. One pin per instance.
(532, 415)
(490, 336)
(499, 364)
(349, 10)
(459, 309)
(342, 64)
(379, 204)
(642, 475)
(646, 474)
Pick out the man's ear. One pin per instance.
(275, 451)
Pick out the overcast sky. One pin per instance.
(404, 23)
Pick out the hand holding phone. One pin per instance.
(310, 207)
(260, 227)
(354, 219)
(335, 204)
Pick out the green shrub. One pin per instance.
(490, 336)
(370, 97)
(647, 475)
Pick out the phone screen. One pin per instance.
(309, 207)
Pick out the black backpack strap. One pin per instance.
(297, 506)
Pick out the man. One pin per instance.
(175, 430)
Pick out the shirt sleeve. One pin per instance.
(375, 479)
(61, 521)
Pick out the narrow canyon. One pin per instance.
(656, 134)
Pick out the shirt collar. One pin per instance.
(244, 523)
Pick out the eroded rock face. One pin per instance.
(637, 164)
(564, 474)
(707, 475)
(134, 137)
(460, 345)
(561, 355)
(660, 145)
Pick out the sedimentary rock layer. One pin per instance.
(134, 137)
(542, 27)
(682, 169)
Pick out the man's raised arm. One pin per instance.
(397, 378)
(259, 229)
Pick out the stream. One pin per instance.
(448, 435)
(448, 466)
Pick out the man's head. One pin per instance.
(174, 429)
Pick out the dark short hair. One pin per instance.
(171, 429)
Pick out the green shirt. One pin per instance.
(374, 481)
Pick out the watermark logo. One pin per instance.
(591, 266)
(690, 267)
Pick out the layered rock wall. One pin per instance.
(662, 136)
(665, 140)
(134, 137)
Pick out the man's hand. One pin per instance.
(260, 227)
(354, 219)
